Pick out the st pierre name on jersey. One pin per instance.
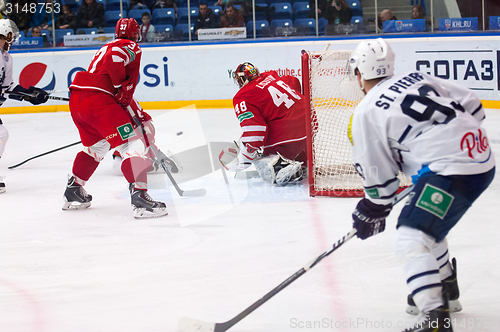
(398, 87)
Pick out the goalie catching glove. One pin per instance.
(369, 218)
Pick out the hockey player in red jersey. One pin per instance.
(98, 103)
(271, 112)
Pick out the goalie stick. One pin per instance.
(182, 193)
(27, 96)
(43, 154)
(187, 324)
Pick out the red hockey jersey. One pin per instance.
(113, 64)
(271, 114)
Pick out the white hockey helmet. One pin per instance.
(373, 59)
(9, 30)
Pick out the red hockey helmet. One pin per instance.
(244, 73)
(127, 28)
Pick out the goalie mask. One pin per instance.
(373, 59)
(9, 30)
(244, 73)
(127, 28)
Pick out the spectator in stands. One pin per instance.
(206, 19)
(337, 13)
(385, 15)
(246, 8)
(90, 15)
(67, 19)
(322, 5)
(21, 18)
(419, 12)
(165, 4)
(138, 4)
(231, 18)
(147, 29)
(37, 32)
(42, 16)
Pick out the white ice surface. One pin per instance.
(100, 270)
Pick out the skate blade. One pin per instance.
(142, 213)
(75, 206)
(454, 306)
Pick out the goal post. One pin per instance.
(331, 98)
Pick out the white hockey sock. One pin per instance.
(440, 252)
(421, 268)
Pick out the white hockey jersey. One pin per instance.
(413, 120)
(6, 71)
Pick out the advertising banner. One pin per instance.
(458, 24)
(222, 33)
(494, 22)
(416, 25)
(88, 39)
(27, 42)
(202, 74)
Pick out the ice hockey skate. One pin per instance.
(76, 198)
(2, 186)
(450, 287)
(144, 206)
(436, 320)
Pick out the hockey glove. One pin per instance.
(369, 218)
(20, 90)
(33, 94)
(38, 96)
(125, 93)
(235, 160)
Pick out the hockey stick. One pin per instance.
(43, 154)
(27, 96)
(182, 193)
(194, 325)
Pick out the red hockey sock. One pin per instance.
(135, 171)
(149, 164)
(84, 166)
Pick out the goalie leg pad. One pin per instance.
(290, 174)
(265, 167)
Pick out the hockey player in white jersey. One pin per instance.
(8, 34)
(430, 129)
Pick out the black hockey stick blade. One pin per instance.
(43, 154)
(187, 324)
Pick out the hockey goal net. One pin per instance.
(331, 98)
